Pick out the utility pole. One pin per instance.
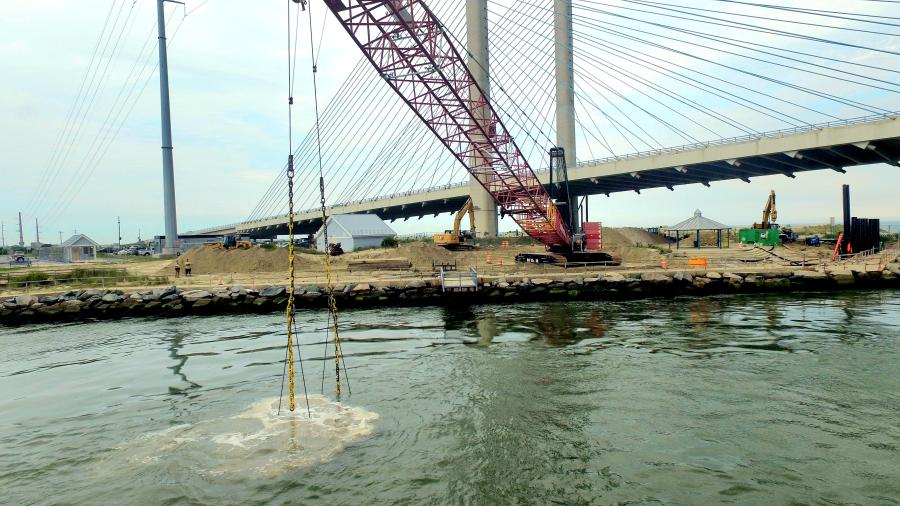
(119, 223)
(21, 236)
(165, 116)
(37, 231)
(60, 237)
(479, 63)
(2, 234)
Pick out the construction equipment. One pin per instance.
(232, 242)
(766, 232)
(335, 249)
(417, 57)
(455, 239)
(770, 214)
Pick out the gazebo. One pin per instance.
(697, 224)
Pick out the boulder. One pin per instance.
(272, 291)
(753, 279)
(699, 282)
(110, 298)
(361, 287)
(150, 296)
(167, 291)
(656, 278)
(540, 281)
(731, 277)
(195, 295)
(25, 300)
(87, 294)
(713, 275)
(201, 302)
(612, 278)
(684, 277)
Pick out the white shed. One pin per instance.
(354, 231)
(79, 248)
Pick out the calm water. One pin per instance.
(733, 399)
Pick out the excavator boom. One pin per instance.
(769, 215)
(453, 239)
(414, 53)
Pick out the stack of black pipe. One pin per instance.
(865, 234)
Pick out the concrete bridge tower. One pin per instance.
(479, 64)
(565, 79)
(565, 84)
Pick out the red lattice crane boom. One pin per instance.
(412, 51)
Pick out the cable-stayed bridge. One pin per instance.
(742, 89)
(831, 146)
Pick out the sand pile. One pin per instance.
(212, 260)
(638, 237)
(628, 244)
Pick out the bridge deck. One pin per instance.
(831, 146)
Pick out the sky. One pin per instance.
(81, 136)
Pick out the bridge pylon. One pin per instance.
(479, 65)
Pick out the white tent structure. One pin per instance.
(354, 231)
(79, 248)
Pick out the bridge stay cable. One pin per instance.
(408, 43)
(739, 43)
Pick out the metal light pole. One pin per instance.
(119, 223)
(165, 116)
(2, 234)
(60, 237)
(37, 231)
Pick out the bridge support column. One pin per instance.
(479, 61)
(565, 79)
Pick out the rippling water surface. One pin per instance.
(693, 401)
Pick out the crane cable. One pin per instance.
(290, 310)
(332, 326)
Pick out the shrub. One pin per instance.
(268, 246)
(389, 242)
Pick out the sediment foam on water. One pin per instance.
(258, 441)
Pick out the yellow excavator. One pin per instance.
(456, 239)
(770, 214)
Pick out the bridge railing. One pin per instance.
(743, 138)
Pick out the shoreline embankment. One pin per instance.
(95, 304)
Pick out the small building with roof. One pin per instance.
(698, 224)
(78, 248)
(353, 231)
